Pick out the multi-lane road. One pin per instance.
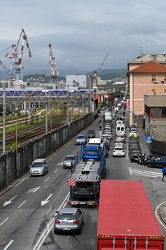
(27, 210)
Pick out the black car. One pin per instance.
(91, 133)
(134, 154)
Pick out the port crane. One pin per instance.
(94, 77)
(18, 56)
(52, 62)
(7, 54)
(97, 71)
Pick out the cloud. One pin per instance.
(83, 32)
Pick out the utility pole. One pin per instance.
(4, 118)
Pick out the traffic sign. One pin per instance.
(148, 139)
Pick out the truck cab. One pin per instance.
(92, 151)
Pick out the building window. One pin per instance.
(165, 77)
(163, 114)
(153, 91)
(153, 77)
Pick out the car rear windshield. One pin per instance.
(66, 216)
(80, 137)
(69, 158)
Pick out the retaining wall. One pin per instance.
(15, 164)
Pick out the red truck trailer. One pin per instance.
(126, 219)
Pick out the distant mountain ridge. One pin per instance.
(107, 74)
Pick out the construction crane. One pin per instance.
(7, 54)
(52, 62)
(8, 72)
(97, 71)
(94, 77)
(17, 65)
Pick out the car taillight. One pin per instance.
(122, 150)
(76, 222)
(57, 222)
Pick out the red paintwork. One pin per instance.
(125, 211)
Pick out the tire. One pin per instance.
(149, 165)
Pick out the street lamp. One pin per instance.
(4, 118)
(46, 92)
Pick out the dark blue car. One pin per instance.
(157, 162)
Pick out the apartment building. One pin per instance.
(147, 76)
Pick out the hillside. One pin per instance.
(106, 74)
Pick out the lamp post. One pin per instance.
(46, 92)
(4, 118)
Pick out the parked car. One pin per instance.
(133, 146)
(91, 133)
(69, 161)
(38, 167)
(134, 154)
(81, 139)
(157, 162)
(68, 220)
(119, 151)
(133, 140)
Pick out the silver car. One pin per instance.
(68, 220)
(38, 167)
(81, 139)
(69, 161)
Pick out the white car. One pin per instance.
(119, 151)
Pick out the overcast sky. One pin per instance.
(82, 32)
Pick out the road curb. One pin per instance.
(162, 212)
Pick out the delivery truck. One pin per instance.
(126, 219)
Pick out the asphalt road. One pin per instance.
(27, 210)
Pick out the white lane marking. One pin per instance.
(158, 217)
(33, 190)
(10, 201)
(4, 221)
(56, 170)
(144, 173)
(22, 204)
(46, 201)
(8, 245)
(47, 179)
(47, 229)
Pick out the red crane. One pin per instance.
(17, 65)
(52, 62)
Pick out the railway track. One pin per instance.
(33, 131)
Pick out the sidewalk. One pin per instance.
(145, 148)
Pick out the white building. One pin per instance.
(78, 82)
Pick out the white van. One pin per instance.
(96, 141)
(120, 129)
